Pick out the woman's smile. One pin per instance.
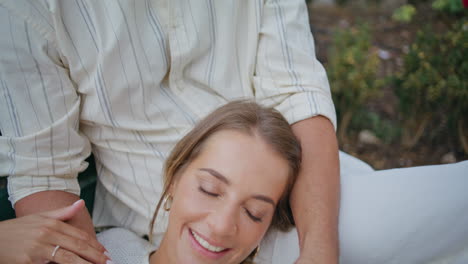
(205, 248)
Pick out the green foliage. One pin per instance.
(404, 13)
(386, 130)
(435, 76)
(451, 6)
(435, 72)
(352, 69)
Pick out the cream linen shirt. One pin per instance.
(127, 79)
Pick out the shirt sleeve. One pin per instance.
(287, 74)
(40, 148)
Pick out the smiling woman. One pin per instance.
(225, 184)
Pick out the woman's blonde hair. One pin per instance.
(250, 118)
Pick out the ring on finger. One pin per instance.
(55, 251)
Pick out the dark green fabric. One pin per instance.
(87, 180)
(6, 212)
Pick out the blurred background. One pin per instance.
(398, 72)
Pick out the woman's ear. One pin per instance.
(172, 188)
(175, 180)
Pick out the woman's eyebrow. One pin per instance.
(264, 198)
(217, 175)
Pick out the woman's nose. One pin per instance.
(223, 221)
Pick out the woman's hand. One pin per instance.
(33, 239)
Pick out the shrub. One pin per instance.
(404, 13)
(385, 129)
(450, 6)
(434, 80)
(352, 69)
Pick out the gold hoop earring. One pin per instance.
(256, 251)
(168, 203)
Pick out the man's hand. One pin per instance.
(315, 197)
(33, 239)
(52, 200)
(38, 203)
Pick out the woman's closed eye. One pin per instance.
(210, 193)
(252, 216)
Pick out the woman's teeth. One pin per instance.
(205, 244)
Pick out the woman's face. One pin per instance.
(224, 200)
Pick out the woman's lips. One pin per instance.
(205, 248)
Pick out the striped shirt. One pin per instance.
(127, 79)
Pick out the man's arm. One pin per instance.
(38, 116)
(52, 200)
(316, 195)
(41, 149)
(289, 77)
